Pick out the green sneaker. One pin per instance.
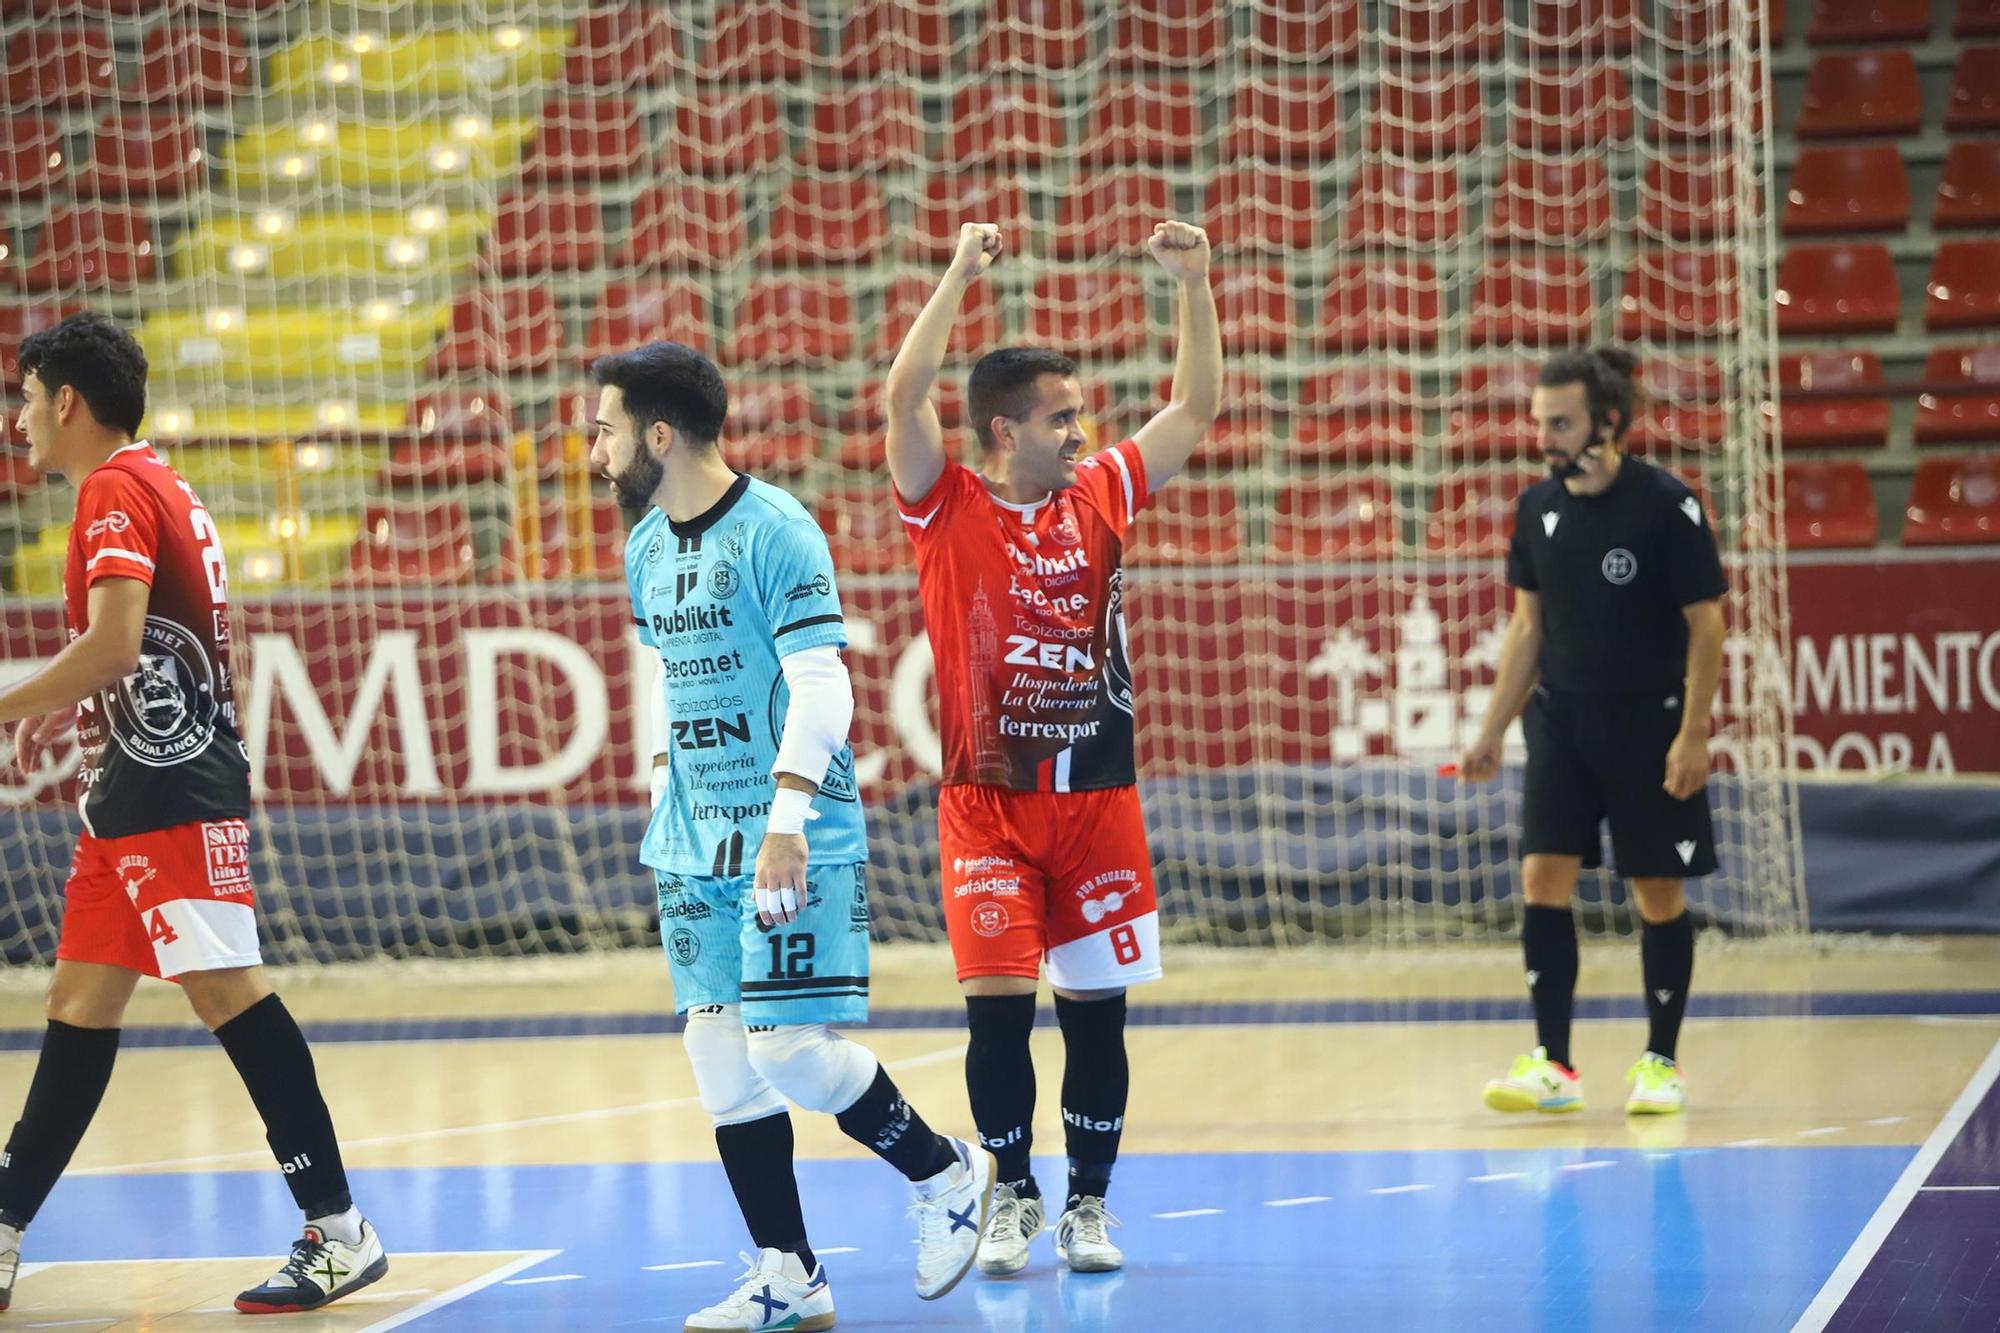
(1656, 1087)
(1536, 1083)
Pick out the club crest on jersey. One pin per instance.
(134, 871)
(1065, 529)
(722, 581)
(165, 710)
(1620, 566)
(683, 945)
(989, 920)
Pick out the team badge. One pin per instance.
(684, 946)
(1620, 566)
(989, 920)
(722, 581)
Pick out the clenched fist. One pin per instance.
(1181, 248)
(978, 247)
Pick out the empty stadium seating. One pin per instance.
(1954, 502)
(1283, 120)
(1871, 92)
(792, 321)
(1353, 519)
(1689, 198)
(1017, 125)
(648, 310)
(59, 67)
(1089, 315)
(1267, 208)
(1828, 505)
(1170, 34)
(1395, 304)
(1543, 299)
(1111, 212)
(1962, 401)
(1974, 105)
(979, 330)
(1677, 292)
(1356, 414)
(416, 544)
(864, 531)
(721, 133)
(1868, 22)
(1821, 421)
(586, 139)
(1847, 189)
(1192, 522)
(1563, 200)
(1474, 513)
(872, 128)
(156, 156)
(91, 246)
(883, 37)
(32, 156)
(1825, 289)
(180, 65)
(1150, 122)
(1968, 192)
(827, 220)
(1964, 288)
(758, 41)
(1404, 205)
(950, 201)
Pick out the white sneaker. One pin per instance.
(1536, 1083)
(320, 1271)
(951, 1209)
(1656, 1087)
(776, 1293)
(1083, 1241)
(10, 1262)
(1011, 1227)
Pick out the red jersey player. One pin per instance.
(160, 883)
(1039, 827)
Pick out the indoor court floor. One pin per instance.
(1306, 1149)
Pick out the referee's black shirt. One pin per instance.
(1613, 571)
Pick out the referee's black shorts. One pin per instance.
(1598, 757)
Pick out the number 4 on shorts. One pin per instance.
(157, 929)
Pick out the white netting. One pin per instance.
(372, 246)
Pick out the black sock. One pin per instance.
(1666, 960)
(1548, 941)
(70, 1078)
(1096, 1080)
(757, 1155)
(271, 1055)
(883, 1121)
(1000, 1079)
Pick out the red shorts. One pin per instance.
(1066, 874)
(171, 901)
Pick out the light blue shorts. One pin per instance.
(812, 970)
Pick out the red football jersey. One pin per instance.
(161, 747)
(1024, 605)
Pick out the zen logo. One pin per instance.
(1028, 651)
(710, 733)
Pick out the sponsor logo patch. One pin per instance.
(226, 845)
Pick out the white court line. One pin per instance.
(537, 1281)
(1293, 1203)
(1747, 1143)
(1587, 1166)
(1855, 1262)
(462, 1290)
(466, 1131)
(1398, 1189)
(1822, 1131)
(691, 1263)
(839, 1249)
(79, 1323)
(1959, 1189)
(1888, 1120)
(1497, 1175)
(1188, 1212)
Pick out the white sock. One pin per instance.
(343, 1227)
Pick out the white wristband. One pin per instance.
(790, 809)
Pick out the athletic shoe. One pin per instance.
(1536, 1083)
(1083, 1240)
(776, 1293)
(10, 1262)
(320, 1271)
(951, 1209)
(1656, 1087)
(1010, 1229)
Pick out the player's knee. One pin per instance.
(1660, 899)
(731, 1091)
(1549, 881)
(818, 1069)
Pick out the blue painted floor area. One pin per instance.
(1694, 1239)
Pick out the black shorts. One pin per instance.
(1593, 757)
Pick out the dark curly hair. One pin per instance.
(1607, 375)
(97, 358)
(670, 382)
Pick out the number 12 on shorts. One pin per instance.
(791, 957)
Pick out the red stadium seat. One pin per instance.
(91, 245)
(1688, 198)
(1949, 414)
(435, 465)
(650, 310)
(1043, 36)
(587, 139)
(1524, 297)
(1954, 502)
(792, 321)
(61, 66)
(1094, 316)
(864, 412)
(1829, 505)
(948, 202)
(827, 220)
(1017, 126)
(1287, 121)
(1397, 304)
(770, 427)
(1256, 310)
(1111, 213)
(1678, 426)
(1150, 123)
(1170, 34)
(143, 156)
(512, 330)
(759, 41)
(1686, 293)
(872, 128)
(1474, 513)
(1847, 189)
(416, 544)
(727, 132)
(1699, 106)
(688, 223)
(1489, 417)
(1964, 290)
(1263, 208)
(1824, 289)
(896, 38)
(1685, 378)
(190, 66)
(546, 233)
(1241, 435)
(1551, 202)
(979, 328)
(865, 531)
(1870, 92)
(1857, 422)
(16, 323)
(1592, 27)
(240, 9)
(1421, 113)
(1189, 523)
(1353, 519)
(32, 157)
(1868, 22)
(1449, 31)
(1696, 24)
(1404, 206)
(620, 48)
(1312, 33)
(1358, 414)
(1975, 92)
(1572, 110)
(1969, 188)
(1976, 18)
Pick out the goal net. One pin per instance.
(371, 247)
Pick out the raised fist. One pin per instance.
(1181, 248)
(978, 247)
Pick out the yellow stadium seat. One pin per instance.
(426, 242)
(326, 153)
(187, 349)
(338, 471)
(498, 58)
(197, 417)
(263, 553)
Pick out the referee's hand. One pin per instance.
(1480, 762)
(1687, 766)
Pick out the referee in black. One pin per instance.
(1614, 648)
